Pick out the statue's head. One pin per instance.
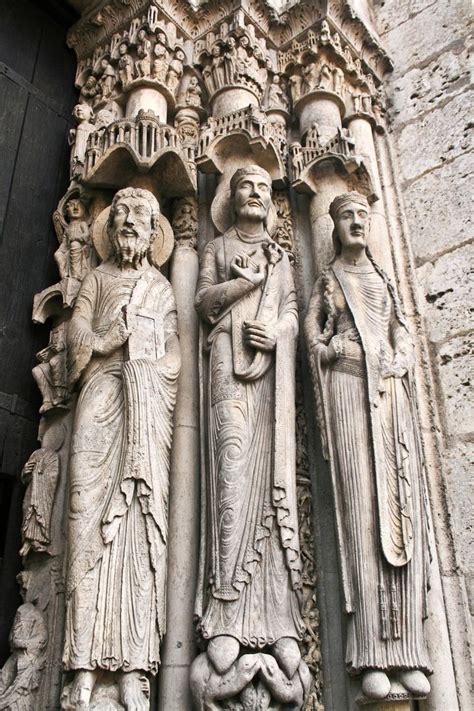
(82, 112)
(29, 630)
(350, 213)
(251, 193)
(132, 225)
(75, 209)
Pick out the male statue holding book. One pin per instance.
(124, 360)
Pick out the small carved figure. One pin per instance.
(107, 78)
(124, 353)
(250, 566)
(325, 77)
(346, 141)
(104, 118)
(51, 373)
(160, 63)
(144, 52)
(356, 103)
(349, 59)
(217, 66)
(366, 103)
(185, 221)
(338, 81)
(296, 87)
(21, 674)
(362, 361)
(325, 34)
(125, 65)
(243, 55)
(310, 76)
(175, 70)
(91, 90)
(78, 137)
(193, 93)
(40, 474)
(336, 42)
(230, 61)
(297, 159)
(75, 256)
(313, 137)
(277, 98)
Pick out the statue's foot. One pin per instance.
(132, 694)
(375, 684)
(81, 689)
(415, 681)
(287, 653)
(222, 652)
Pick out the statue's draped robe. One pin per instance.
(370, 427)
(249, 563)
(119, 467)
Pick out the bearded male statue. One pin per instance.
(250, 567)
(124, 360)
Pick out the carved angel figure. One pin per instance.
(76, 255)
(250, 567)
(362, 361)
(124, 359)
(277, 98)
(20, 677)
(40, 473)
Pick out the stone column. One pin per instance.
(361, 127)
(147, 98)
(178, 649)
(326, 108)
(328, 184)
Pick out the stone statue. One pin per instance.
(51, 372)
(91, 90)
(40, 474)
(107, 78)
(20, 677)
(144, 52)
(250, 568)
(230, 61)
(83, 115)
(217, 67)
(277, 98)
(124, 359)
(125, 65)
(175, 70)
(362, 360)
(75, 256)
(160, 63)
(193, 93)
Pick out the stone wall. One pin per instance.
(429, 104)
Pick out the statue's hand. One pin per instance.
(114, 338)
(259, 335)
(325, 354)
(242, 266)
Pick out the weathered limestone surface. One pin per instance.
(431, 116)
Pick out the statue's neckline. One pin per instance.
(363, 269)
(263, 237)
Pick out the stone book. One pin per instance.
(146, 340)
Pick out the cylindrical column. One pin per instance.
(147, 98)
(230, 99)
(329, 184)
(360, 127)
(178, 650)
(322, 107)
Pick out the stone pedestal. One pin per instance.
(323, 107)
(229, 99)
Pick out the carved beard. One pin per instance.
(129, 250)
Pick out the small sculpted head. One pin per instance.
(132, 225)
(216, 50)
(161, 37)
(179, 54)
(75, 209)
(251, 192)
(123, 49)
(82, 112)
(141, 34)
(350, 213)
(244, 41)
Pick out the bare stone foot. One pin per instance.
(375, 684)
(132, 693)
(81, 690)
(223, 652)
(415, 681)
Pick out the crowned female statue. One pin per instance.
(362, 361)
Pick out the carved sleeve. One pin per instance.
(288, 317)
(80, 334)
(213, 299)
(404, 357)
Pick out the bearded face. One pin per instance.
(252, 197)
(131, 234)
